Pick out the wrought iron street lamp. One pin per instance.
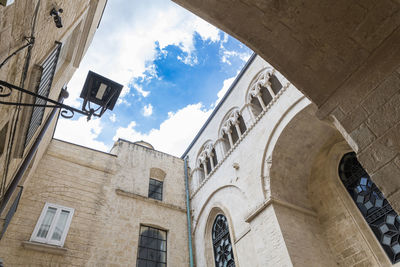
(99, 94)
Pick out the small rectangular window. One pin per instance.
(152, 249)
(155, 189)
(53, 224)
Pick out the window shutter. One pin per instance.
(48, 70)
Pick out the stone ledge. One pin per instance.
(44, 247)
(149, 200)
(253, 214)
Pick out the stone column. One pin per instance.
(261, 101)
(205, 167)
(238, 129)
(230, 137)
(211, 161)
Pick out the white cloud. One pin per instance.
(227, 54)
(113, 117)
(124, 46)
(227, 83)
(81, 132)
(147, 110)
(123, 101)
(174, 134)
(140, 90)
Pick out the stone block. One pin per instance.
(377, 24)
(385, 116)
(353, 120)
(363, 136)
(382, 93)
(381, 150)
(387, 178)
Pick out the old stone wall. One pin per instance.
(127, 207)
(344, 56)
(79, 19)
(109, 193)
(70, 176)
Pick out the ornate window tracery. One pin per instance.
(232, 129)
(223, 251)
(265, 87)
(379, 214)
(207, 159)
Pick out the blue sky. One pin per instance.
(174, 68)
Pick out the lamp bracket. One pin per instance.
(67, 112)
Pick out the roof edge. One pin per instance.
(241, 73)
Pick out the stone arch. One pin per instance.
(272, 140)
(231, 129)
(341, 221)
(262, 90)
(240, 195)
(231, 201)
(203, 164)
(290, 152)
(209, 250)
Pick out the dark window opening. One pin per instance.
(214, 157)
(256, 107)
(266, 96)
(275, 84)
(155, 189)
(223, 251)
(234, 134)
(208, 165)
(242, 125)
(152, 249)
(379, 214)
(226, 143)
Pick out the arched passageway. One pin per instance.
(343, 55)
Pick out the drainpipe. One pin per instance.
(27, 160)
(189, 221)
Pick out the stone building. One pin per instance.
(42, 43)
(108, 203)
(299, 173)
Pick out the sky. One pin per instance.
(174, 66)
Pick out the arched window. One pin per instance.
(379, 214)
(223, 251)
(262, 90)
(232, 129)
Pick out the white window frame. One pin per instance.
(48, 240)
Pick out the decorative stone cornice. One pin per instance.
(149, 200)
(275, 201)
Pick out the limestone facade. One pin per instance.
(263, 161)
(109, 193)
(62, 49)
(267, 160)
(278, 184)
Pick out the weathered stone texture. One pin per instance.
(105, 226)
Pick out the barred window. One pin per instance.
(155, 189)
(152, 250)
(379, 214)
